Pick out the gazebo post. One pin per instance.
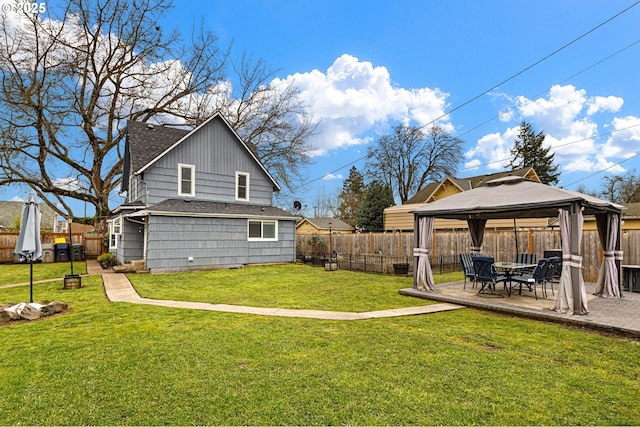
(416, 234)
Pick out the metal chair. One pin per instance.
(534, 279)
(525, 259)
(467, 267)
(552, 274)
(486, 274)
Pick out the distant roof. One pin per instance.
(466, 184)
(190, 207)
(633, 210)
(10, 210)
(322, 223)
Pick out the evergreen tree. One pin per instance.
(529, 152)
(378, 197)
(351, 196)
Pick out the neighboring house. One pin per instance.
(400, 218)
(322, 226)
(197, 199)
(630, 218)
(10, 211)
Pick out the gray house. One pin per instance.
(197, 199)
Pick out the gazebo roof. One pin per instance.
(513, 197)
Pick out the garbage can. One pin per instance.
(47, 252)
(401, 268)
(61, 252)
(76, 252)
(631, 274)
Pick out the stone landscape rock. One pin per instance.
(31, 311)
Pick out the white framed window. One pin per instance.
(242, 186)
(115, 230)
(186, 180)
(133, 189)
(262, 230)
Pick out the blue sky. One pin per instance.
(364, 66)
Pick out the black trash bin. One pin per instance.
(76, 252)
(401, 268)
(61, 251)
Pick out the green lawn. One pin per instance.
(284, 286)
(19, 273)
(126, 364)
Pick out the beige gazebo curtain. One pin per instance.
(572, 294)
(424, 275)
(608, 285)
(476, 230)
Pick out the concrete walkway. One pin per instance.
(119, 289)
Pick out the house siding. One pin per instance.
(212, 242)
(131, 242)
(217, 155)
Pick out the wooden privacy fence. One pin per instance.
(91, 243)
(447, 245)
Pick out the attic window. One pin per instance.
(186, 180)
(242, 186)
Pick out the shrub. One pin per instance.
(107, 260)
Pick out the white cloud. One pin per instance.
(624, 141)
(601, 103)
(331, 176)
(67, 183)
(494, 149)
(571, 121)
(353, 98)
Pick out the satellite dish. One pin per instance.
(297, 205)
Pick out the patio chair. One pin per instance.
(552, 274)
(534, 279)
(486, 274)
(525, 259)
(467, 267)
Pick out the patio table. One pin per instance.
(509, 268)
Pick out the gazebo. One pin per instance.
(517, 197)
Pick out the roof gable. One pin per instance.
(323, 224)
(148, 143)
(437, 190)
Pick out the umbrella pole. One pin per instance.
(30, 280)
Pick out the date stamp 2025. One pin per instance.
(23, 6)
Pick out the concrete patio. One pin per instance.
(611, 315)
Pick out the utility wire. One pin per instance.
(603, 170)
(497, 85)
(595, 64)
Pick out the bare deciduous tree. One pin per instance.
(409, 159)
(71, 82)
(621, 188)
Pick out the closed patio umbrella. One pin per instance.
(29, 246)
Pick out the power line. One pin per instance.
(603, 170)
(534, 64)
(619, 51)
(498, 85)
(570, 143)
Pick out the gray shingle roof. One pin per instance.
(206, 207)
(147, 141)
